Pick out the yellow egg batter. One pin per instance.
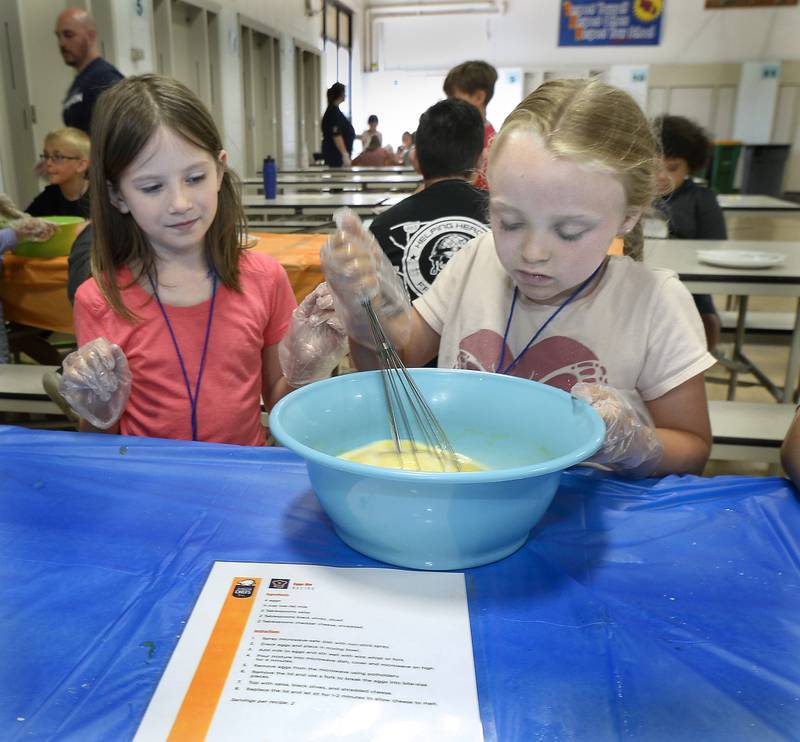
(418, 458)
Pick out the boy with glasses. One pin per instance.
(65, 161)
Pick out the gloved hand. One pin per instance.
(8, 209)
(631, 444)
(357, 270)
(96, 382)
(316, 340)
(31, 228)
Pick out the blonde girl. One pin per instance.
(572, 168)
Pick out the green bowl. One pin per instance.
(59, 244)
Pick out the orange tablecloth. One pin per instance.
(34, 291)
(298, 254)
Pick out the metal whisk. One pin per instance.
(407, 408)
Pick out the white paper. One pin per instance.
(339, 654)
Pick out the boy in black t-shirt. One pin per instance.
(66, 160)
(422, 232)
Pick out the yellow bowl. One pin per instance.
(59, 244)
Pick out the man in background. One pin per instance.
(77, 40)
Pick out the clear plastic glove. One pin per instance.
(631, 445)
(316, 341)
(8, 209)
(96, 382)
(357, 270)
(31, 228)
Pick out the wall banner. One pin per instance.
(597, 23)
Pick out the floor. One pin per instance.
(771, 357)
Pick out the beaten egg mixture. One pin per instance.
(412, 457)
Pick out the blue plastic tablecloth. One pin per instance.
(668, 609)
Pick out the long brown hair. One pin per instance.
(596, 125)
(124, 119)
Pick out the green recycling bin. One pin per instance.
(722, 168)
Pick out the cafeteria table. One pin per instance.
(363, 204)
(665, 609)
(322, 182)
(348, 170)
(700, 278)
(34, 291)
(754, 202)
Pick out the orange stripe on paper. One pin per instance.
(200, 702)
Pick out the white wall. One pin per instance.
(527, 36)
(400, 98)
(695, 70)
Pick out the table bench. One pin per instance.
(781, 323)
(748, 431)
(21, 389)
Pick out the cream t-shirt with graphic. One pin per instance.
(638, 330)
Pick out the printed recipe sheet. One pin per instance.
(291, 652)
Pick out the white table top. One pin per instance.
(681, 257)
(365, 199)
(752, 202)
(317, 169)
(364, 203)
(394, 198)
(332, 179)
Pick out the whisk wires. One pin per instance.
(409, 413)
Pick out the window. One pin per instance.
(337, 25)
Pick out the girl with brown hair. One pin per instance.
(180, 327)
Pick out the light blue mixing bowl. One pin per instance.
(524, 431)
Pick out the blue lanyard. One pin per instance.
(499, 367)
(192, 397)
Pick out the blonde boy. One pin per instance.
(66, 160)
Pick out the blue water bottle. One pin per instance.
(270, 178)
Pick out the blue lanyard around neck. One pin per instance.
(192, 397)
(499, 367)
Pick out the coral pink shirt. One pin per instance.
(243, 325)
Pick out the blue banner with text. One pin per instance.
(597, 23)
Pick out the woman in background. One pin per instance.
(337, 132)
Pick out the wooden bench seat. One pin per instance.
(21, 389)
(748, 431)
(764, 322)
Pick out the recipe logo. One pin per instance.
(244, 588)
(277, 583)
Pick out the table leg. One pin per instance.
(793, 367)
(737, 344)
